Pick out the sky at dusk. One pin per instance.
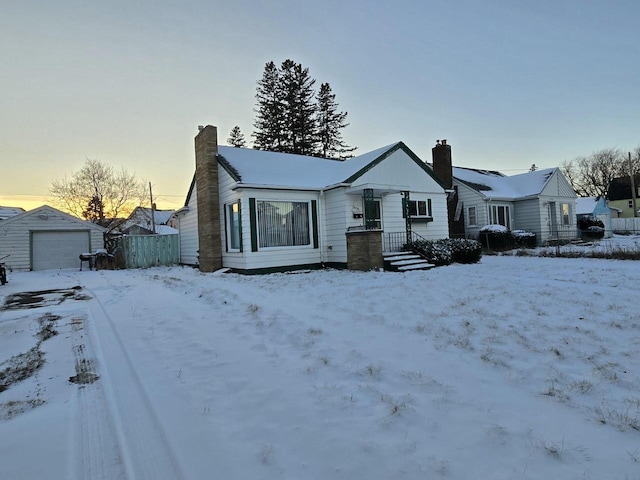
(507, 83)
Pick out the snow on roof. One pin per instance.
(161, 217)
(496, 185)
(6, 212)
(165, 230)
(586, 205)
(259, 167)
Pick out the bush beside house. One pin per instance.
(448, 250)
(498, 237)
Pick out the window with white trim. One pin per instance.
(420, 208)
(566, 214)
(501, 215)
(233, 226)
(282, 224)
(472, 217)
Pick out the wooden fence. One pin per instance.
(143, 251)
(626, 225)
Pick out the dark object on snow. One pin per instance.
(3, 271)
(591, 227)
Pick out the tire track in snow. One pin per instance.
(95, 454)
(146, 450)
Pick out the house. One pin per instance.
(143, 221)
(256, 211)
(619, 196)
(46, 238)
(595, 207)
(542, 201)
(8, 212)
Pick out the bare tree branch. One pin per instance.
(97, 188)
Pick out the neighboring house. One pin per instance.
(141, 222)
(619, 196)
(46, 238)
(266, 211)
(8, 212)
(542, 202)
(595, 207)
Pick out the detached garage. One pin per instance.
(47, 239)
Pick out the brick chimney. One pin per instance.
(209, 236)
(442, 165)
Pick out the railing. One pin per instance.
(396, 241)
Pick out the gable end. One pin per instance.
(396, 147)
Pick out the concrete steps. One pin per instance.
(404, 261)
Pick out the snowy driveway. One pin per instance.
(514, 368)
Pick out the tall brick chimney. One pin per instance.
(443, 168)
(209, 236)
(442, 165)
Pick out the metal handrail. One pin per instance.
(397, 241)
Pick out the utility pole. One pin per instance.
(633, 188)
(153, 208)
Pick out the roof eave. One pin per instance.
(261, 186)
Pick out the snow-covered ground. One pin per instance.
(514, 368)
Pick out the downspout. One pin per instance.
(321, 221)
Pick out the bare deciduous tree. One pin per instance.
(590, 176)
(97, 192)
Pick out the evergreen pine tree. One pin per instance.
(95, 210)
(291, 118)
(300, 125)
(330, 123)
(236, 138)
(268, 134)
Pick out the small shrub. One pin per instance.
(523, 239)
(448, 250)
(591, 227)
(465, 251)
(496, 237)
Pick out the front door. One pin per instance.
(374, 213)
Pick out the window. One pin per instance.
(232, 212)
(420, 208)
(500, 215)
(472, 216)
(630, 203)
(566, 214)
(283, 224)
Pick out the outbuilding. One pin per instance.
(47, 239)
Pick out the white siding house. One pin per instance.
(542, 202)
(281, 211)
(46, 238)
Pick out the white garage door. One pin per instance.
(59, 249)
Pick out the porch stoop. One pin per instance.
(404, 261)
